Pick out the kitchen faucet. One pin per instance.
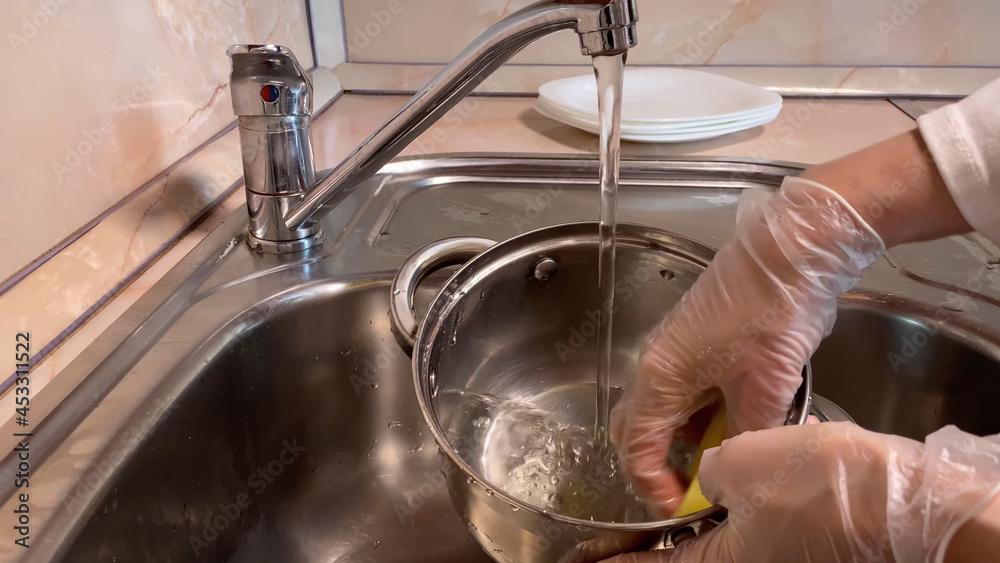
(272, 99)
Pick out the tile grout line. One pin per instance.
(9, 283)
(47, 350)
(312, 34)
(904, 106)
(12, 281)
(343, 34)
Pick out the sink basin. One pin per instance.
(258, 408)
(310, 416)
(899, 372)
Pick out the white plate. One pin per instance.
(570, 118)
(665, 137)
(700, 136)
(658, 95)
(658, 127)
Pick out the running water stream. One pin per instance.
(531, 449)
(610, 72)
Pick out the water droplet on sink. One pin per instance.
(374, 385)
(395, 292)
(954, 307)
(434, 384)
(515, 509)
(667, 274)
(375, 544)
(395, 423)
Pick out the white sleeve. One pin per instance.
(964, 139)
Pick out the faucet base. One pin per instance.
(272, 98)
(284, 247)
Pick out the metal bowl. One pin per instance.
(518, 322)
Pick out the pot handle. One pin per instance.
(420, 264)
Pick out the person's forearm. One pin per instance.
(896, 187)
(978, 539)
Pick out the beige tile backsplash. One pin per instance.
(724, 32)
(99, 97)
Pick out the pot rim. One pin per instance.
(689, 248)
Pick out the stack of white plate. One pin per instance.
(664, 105)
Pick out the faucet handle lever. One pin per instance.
(267, 80)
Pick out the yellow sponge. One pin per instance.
(694, 500)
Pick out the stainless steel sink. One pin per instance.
(258, 408)
(898, 371)
(308, 413)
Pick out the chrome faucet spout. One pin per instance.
(272, 99)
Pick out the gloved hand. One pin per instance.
(747, 327)
(836, 493)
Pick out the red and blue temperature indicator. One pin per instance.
(269, 93)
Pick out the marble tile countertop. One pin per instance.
(807, 131)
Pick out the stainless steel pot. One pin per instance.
(518, 321)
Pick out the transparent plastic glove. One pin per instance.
(747, 327)
(836, 493)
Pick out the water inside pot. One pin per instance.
(542, 451)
